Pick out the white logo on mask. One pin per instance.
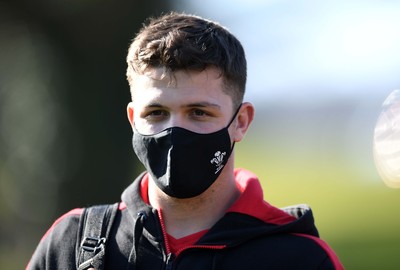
(218, 160)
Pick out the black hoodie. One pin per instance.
(252, 235)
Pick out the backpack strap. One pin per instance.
(94, 228)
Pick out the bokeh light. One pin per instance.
(387, 141)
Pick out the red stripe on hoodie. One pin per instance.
(77, 211)
(334, 258)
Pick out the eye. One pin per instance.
(156, 115)
(198, 112)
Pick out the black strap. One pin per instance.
(94, 228)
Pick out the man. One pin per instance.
(191, 209)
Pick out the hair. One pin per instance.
(178, 41)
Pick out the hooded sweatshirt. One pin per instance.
(251, 235)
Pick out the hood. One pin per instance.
(251, 216)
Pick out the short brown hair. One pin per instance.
(178, 41)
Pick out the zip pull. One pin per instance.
(169, 262)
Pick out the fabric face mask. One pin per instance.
(184, 163)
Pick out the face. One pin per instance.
(192, 100)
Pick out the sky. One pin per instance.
(313, 50)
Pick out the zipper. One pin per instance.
(164, 232)
(170, 257)
(170, 260)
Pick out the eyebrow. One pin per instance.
(203, 105)
(154, 105)
(190, 105)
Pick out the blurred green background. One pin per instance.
(65, 141)
(354, 211)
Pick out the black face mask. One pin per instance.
(184, 163)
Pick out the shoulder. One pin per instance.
(64, 223)
(293, 251)
(331, 258)
(281, 251)
(56, 249)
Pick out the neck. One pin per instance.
(183, 217)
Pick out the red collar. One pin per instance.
(251, 201)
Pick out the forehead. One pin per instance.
(180, 86)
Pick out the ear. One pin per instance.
(130, 113)
(244, 118)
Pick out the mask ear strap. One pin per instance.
(234, 116)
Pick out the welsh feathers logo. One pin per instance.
(218, 160)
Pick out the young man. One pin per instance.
(191, 209)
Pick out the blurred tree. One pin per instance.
(64, 138)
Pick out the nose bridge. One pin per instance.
(175, 120)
